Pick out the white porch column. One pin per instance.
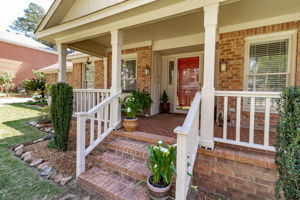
(116, 43)
(62, 62)
(208, 89)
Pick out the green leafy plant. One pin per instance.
(6, 80)
(162, 159)
(37, 86)
(44, 115)
(287, 156)
(130, 106)
(164, 97)
(61, 113)
(143, 99)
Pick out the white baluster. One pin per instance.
(238, 119)
(252, 113)
(80, 151)
(225, 117)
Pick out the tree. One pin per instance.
(61, 113)
(6, 79)
(27, 24)
(31, 19)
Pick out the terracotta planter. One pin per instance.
(165, 107)
(130, 124)
(157, 193)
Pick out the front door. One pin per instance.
(187, 82)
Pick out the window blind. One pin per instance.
(268, 66)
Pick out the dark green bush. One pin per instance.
(61, 113)
(164, 97)
(37, 84)
(143, 99)
(288, 144)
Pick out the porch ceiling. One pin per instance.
(188, 28)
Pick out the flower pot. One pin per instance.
(165, 107)
(130, 124)
(158, 193)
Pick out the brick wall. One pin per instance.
(144, 58)
(232, 50)
(235, 175)
(73, 78)
(99, 74)
(22, 60)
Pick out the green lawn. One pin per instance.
(18, 181)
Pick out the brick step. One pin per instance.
(135, 150)
(144, 137)
(126, 168)
(110, 186)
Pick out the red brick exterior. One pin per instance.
(235, 175)
(74, 78)
(232, 50)
(99, 74)
(22, 60)
(144, 59)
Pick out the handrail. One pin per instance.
(107, 120)
(187, 146)
(91, 90)
(248, 94)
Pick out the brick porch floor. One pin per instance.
(164, 124)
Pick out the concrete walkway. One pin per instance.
(9, 100)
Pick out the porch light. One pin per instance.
(223, 66)
(147, 70)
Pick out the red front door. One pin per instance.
(188, 81)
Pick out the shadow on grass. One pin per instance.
(18, 181)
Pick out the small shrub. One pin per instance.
(164, 97)
(44, 115)
(6, 80)
(37, 86)
(51, 144)
(61, 113)
(143, 99)
(287, 155)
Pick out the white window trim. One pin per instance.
(126, 57)
(291, 36)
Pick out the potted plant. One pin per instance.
(165, 105)
(130, 106)
(162, 166)
(144, 100)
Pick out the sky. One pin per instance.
(12, 9)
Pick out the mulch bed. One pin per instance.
(63, 162)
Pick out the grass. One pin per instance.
(17, 180)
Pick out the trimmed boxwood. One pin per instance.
(61, 113)
(287, 155)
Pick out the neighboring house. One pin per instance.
(239, 53)
(20, 55)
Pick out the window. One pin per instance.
(268, 66)
(88, 76)
(171, 71)
(128, 75)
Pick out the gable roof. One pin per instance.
(21, 40)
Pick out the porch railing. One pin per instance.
(101, 123)
(187, 145)
(86, 99)
(249, 104)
